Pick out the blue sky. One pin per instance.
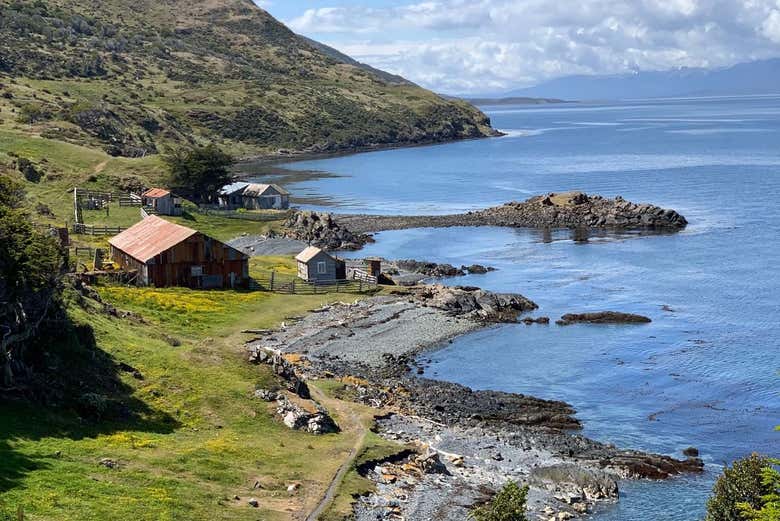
(479, 46)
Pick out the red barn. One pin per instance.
(166, 254)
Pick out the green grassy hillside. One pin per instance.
(130, 77)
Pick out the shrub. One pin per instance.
(770, 509)
(27, 168)
(743, 490)
(507, 505)
(31, 113)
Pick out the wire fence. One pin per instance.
(291, 285)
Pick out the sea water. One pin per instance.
(705, 371)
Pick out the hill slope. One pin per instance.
(132, 76)
(759, 77)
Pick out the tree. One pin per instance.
(30, 268)
(200, 170)
(770, 508)
(743, 491)
(507, 505)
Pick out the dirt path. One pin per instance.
(100, 167)
(355, 426)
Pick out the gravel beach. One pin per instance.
(474, 441)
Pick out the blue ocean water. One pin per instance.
(705, 371)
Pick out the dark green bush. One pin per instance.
(740, 487)
(507, 505)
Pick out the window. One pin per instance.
(322, 268)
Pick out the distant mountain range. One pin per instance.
(758, 77)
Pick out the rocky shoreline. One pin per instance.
(474, 441)
(554, 210)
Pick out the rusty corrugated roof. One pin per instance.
(150, 237)
(156, 192)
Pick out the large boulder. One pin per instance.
(297, 418)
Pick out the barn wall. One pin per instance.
(214, 262)
(129, 263)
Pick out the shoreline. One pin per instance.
(295, 156)
(480, 439)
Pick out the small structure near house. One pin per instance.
(254, 196)
(316, 265)
(166, 254)
(374, 266)
(161, 202)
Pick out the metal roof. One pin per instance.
(309, 253)
(233, 188)
(156, 192)
(150, 237)
(251, 189)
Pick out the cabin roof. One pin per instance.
(233, 188)
(155, 193)
(309, 253)
(258, 190)
(150, 237)
(251, 189)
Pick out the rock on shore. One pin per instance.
(474, 302)
(321, 230)
(602, 317)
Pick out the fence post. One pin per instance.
(272, 280)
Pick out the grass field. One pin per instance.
(199, 438)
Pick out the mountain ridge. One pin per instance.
(133, 78)
(757, 77)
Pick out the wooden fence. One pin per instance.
(90, 229)
(295, 286)
(78, 251)
(129, 200)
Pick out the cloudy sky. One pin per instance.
(479, 46)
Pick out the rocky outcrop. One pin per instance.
(429, 269)
(602, 317)
(539, 320)
(640, 465)
(433, 269)
(454, 404)
(321, 230)
(297, 418)
(575, 485)
(474, 302)
(282, 368)
(575, 210)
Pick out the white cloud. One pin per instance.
(484, 45)
(771, 26)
